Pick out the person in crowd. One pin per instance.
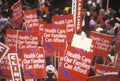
(100, 17)
(50, 73)
(99, 60)
(93, 23)
(85, 22)
(31, 3)
(94, 18)
(6, 10)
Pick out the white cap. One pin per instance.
(89, 2)
(99, 29)
(50, 68)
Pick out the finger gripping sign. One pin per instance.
(75, 65)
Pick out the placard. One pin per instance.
(27, 39)
(104, 78)
(5, 71)
(34, 63)
(118, 63)
(44, 9)
(11, 40)
(117, 43)
(54, 37)
(68, 20)
(77, 6)
(31, 19)
(82, 42)
(3, 50)
(101, 69)
(75, 65)
(101, 43)
(15, 67)
(17, 14)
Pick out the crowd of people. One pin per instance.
(95, 18)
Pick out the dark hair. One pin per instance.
(99, 60)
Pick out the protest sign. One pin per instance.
(54, 36)
(104, 78)
(81, 42)
(68, 20)
(27, 39)
(3, 50)
(31, 19)
(40, 29)
(48, 52)
(5, 71)
(75, 65)
(44, 9)
(77, 6)
(101, 43)
(40, 26)
(11, 39)
(101, 69)
(118, 63)
(34, 63)
(15, 67)
(4, 64)
(117, 43)
(17, 14)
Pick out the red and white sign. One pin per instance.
(102, 69)
(68, 20)
(54, 36)
(4, 66)
(77, 6)
(31, 19)
(3, 50)
(110, 77)
(101, 43)
(11, 40)
(117, 44)
(34, 63)
(15, 67)
(27, 39)
(5, 71)
(44, 9)
(118, 63)
(17, 14)
(75, 65)
(40, 26)
(39, 29)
